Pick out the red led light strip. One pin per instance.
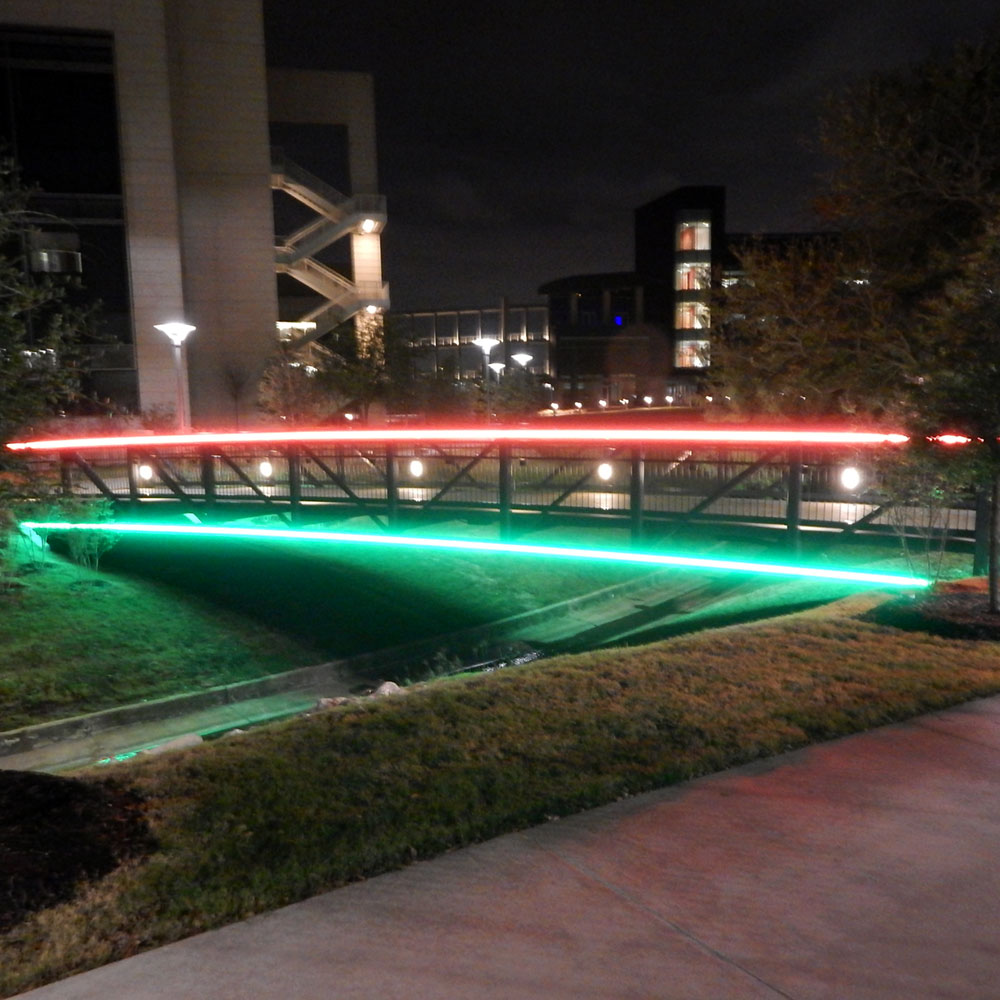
(479, 435)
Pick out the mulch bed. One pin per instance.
(955, 610)
(56, 833)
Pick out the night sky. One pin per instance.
(515, 139)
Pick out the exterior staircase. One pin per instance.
(338, 216)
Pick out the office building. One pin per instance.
(148, 127)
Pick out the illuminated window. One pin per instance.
(691, 278)
(691, 354)
(694, 236)
(691, 316)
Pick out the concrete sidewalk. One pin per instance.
(859, 869)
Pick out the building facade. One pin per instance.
(147, 126)
(452, 341)
(644, 333)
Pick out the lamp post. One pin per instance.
(178, 332)
(486, 344)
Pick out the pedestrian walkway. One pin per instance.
(861, 869)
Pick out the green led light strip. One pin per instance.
(472, 545)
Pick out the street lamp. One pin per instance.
(486, 344)
(178, 332)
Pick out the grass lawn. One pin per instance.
(167, 615)
(251, 823)
(349, 599)
(74, 641)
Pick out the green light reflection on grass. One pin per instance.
(659, 559)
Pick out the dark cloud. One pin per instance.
(515, 139)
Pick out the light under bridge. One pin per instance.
(649, 479)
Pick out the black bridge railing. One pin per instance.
(791, 485)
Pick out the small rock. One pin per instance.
(386, 687)
(325, 703)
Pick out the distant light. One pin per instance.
(555, 406)
(709, 399)
(602, 403)
(486, 344)
(618, 321)
(952, 439)
(623, 401)
(286, 329)
(578, 405)
(497, 366)
(266, 469)
(371, 309)
(145, 472)
(416, 468)
(177, 332)
(368, 226)
(647, 400)
(522, 359)
(605, 471)
(476, 545)
(348, 417)
(850, 478)
(668, 399)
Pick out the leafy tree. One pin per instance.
(917, 178)
(916, 164)
(902, 319)
(39, 330)
(518, 395)
(292, 388)
(958, 388)
(796, 333)
(40, 334)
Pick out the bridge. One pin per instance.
(651, 479)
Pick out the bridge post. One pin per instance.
(294, 484)
(981, 551)
(505, 489)
(793, 509)
(65, 477)
(637, 495)
(208, 478)
(391, 484)
(133, 483)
